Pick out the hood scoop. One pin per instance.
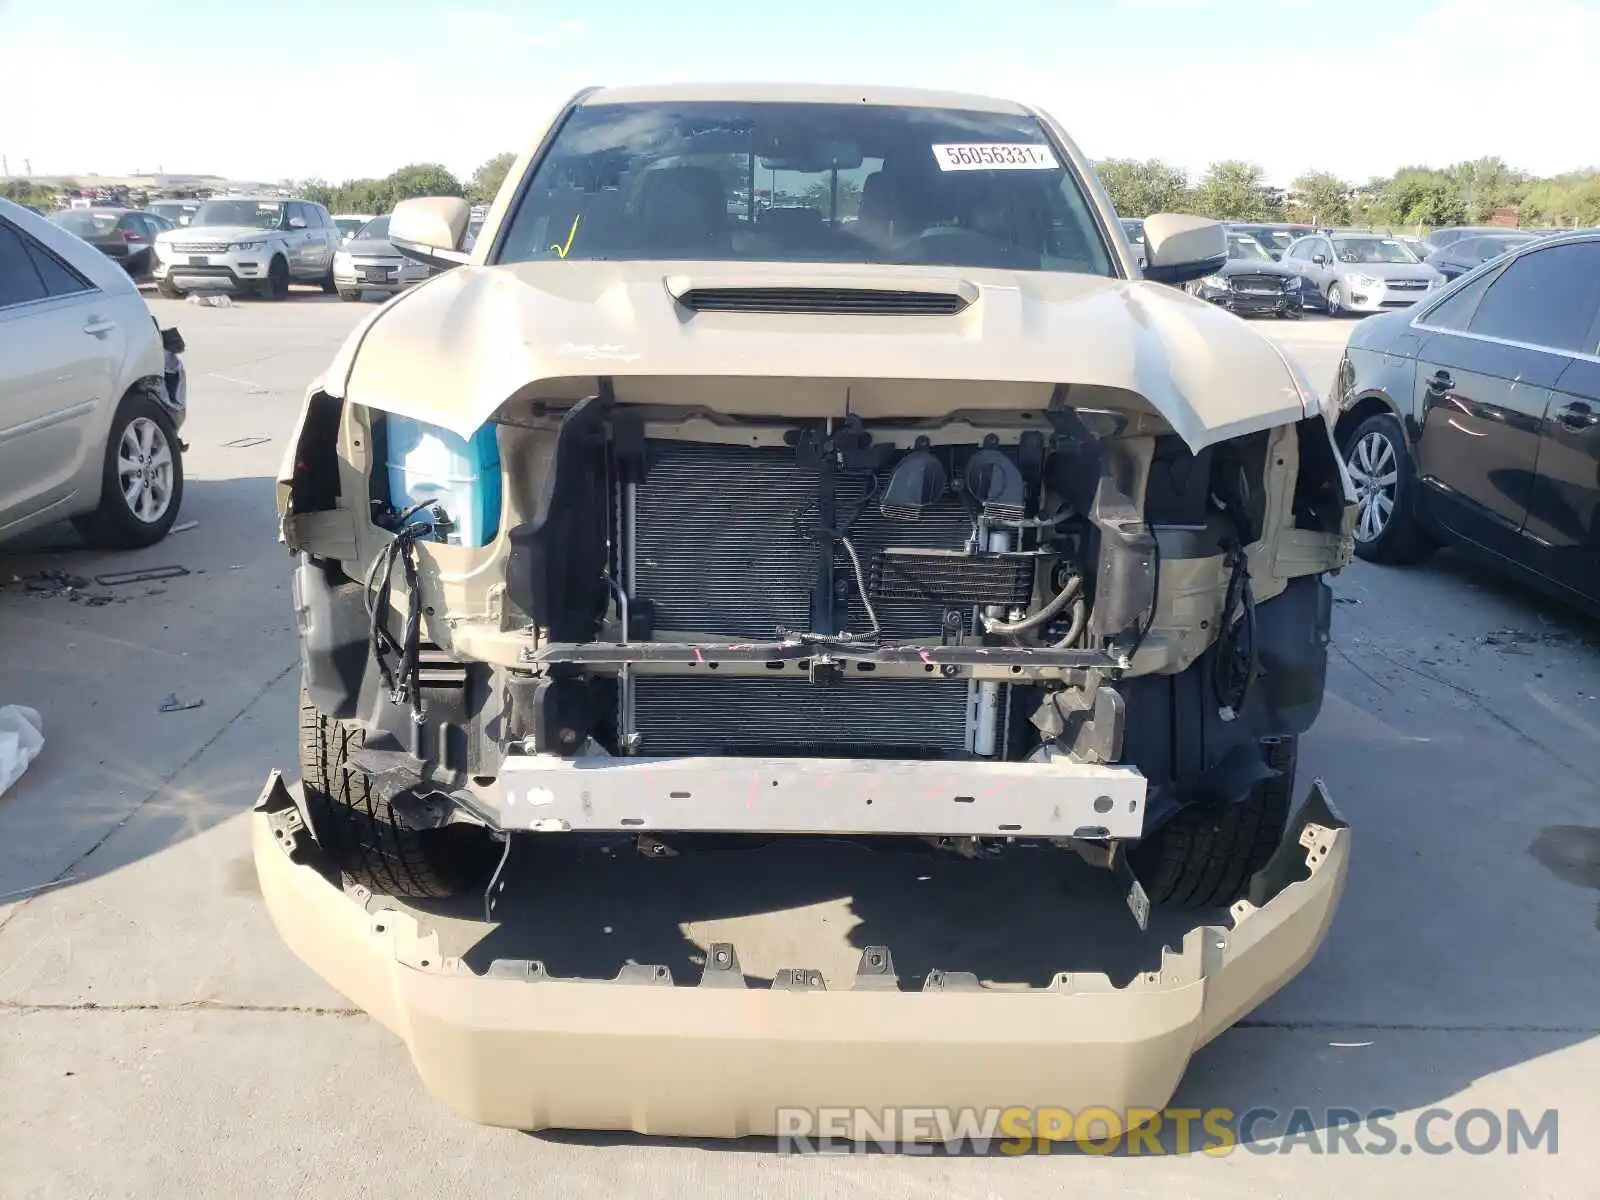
(827, 301)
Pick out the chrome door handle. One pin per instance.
(1578, 416)
(97, 326)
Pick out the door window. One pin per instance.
(1544, 298)
(19, 279)
(1456, 310)
(30, 272)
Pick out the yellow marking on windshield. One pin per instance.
(561, 251)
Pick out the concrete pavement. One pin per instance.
(156, 1038)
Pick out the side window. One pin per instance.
(1455, 311)
(59, 279)
(1294, 249)
(19, 279)
(1545, 298)
(324, 221)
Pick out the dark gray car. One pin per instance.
(1359, 272)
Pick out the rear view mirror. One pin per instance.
(431, 229)
(1178, 248)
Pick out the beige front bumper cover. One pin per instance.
(520, 1049)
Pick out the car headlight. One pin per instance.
(1217, 283)
(342, 259)
(1365, 281)
(245, 245)
(1292, 283)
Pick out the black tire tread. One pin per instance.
(1204, 858)
(356, 824)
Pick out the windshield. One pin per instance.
(759, 182)
(262, 214)
(376, 230)
(1247, 248)
(348, 226)
(1278, 239)
(1489, 247)
(1372, 250)
(86, 224)
(1134, 230)
(173, 209)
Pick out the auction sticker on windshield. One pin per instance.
(995, 156)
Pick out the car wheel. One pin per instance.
(169, 289)
(141, 484)
(328, 285)
(1335, 301)
(349, 295)
(276, 285)
(1206, 854)
(1385, 480)
(354, 821)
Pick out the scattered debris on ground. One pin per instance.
(149, 574)
(211, 299)
(244, 443)
(183, 527)
(1516, 641)
(21, 739)
(172, 704)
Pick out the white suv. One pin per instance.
(92, 393)
(249, 244)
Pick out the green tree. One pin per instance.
(1233, 190)
(486, 180)
(1138, 189)
(1321, 198)
(318, 191)
(21, 191)
(1484, 185)
(820, 196)
(422, 179)
(1425, 198)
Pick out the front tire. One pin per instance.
(141, 483)
(1336, 301)
(361, 831)
(1205, 855)
(276, 285)
(329, 287)
(349, 295)
(1385, 479)
(168, 289)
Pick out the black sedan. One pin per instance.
(119, 233)
(1464, 254)
(1250, 283)
(1474, 419)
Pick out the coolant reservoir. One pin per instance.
(426, 463)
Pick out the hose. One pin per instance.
(1080, 618)
(1042, 617)
(861, 586)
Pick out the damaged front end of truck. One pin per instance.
(982, 593)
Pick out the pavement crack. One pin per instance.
(27, 1007)
(71, 868)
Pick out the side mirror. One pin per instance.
(297, 222)
(1178, 248)
(1320, 259)
(431, 229)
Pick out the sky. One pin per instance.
(337, 89)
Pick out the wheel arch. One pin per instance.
(1369, 404)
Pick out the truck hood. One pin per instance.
(456, 348)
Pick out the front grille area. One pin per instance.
(200, 247)
(726, 545)
(830, 301)
(888, 718)
(1261, 283)
(1407, 285)
(718, 548)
